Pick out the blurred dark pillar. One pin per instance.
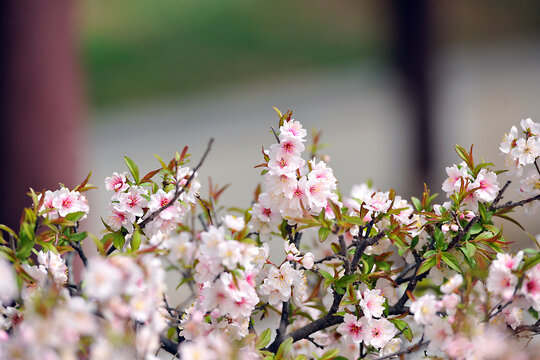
(413, 53)
(41, 107)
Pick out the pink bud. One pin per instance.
(454, 227)
(445, 228)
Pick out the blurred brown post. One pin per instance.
(41, 107)
(413, 54)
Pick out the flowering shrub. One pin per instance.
(368, 276)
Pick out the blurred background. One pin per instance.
(392, 84)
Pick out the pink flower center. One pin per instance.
(532, 287)
(67, 202)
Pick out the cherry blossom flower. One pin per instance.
(132, 201)
(234, 223)
(354, 330)
(501, 282)
(509, 140)
(530, 128)
(372, 303)
(292, 129)
(425, 309)
(452, 284)
(381, 332)
(67, 202)
(526, 150)
(116, 182)
(487, 185)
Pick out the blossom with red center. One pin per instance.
(116, 182)
(354, 330)
(381, 332)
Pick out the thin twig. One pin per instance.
(179, 190)
(499, 196)
(511, 204)
(275, 134)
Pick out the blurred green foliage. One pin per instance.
(142, 49)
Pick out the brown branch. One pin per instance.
(462, 233)
(329, 319)
(170, 346)
(179, 190)
(499, 196)
(511, 204)
(78, 248)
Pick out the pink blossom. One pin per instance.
(354, 330)
(372, 303)
(381, 332)
(116, 182)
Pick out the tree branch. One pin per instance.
(499, 196)
(511, 204)
(169, 346)
(462, 233)
(80, 251)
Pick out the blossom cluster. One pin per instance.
(366, 276)
(130, 202)
(63, 202)
(292, 186)
(520, 152)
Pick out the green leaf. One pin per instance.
(75, 216)
(403, 327)
(476, 229)
(8, 230)
(484, 236)
(533, 312)
(483, 212)
(417, 203)
(414, 241)
(117, 239)
(283, 228)
(451, 261)
(330, 354)
(77, 237)
(426, 265)
(531, 262)
(284, 348)
(133, 169)
(323, 233)
(264, 339)
(136, 240)
(327, 275)
(346, 280)
(383, 265)
(471, 248)
(438, 236)
(429, 253)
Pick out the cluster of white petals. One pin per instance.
(62, 202)
(290, 185)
